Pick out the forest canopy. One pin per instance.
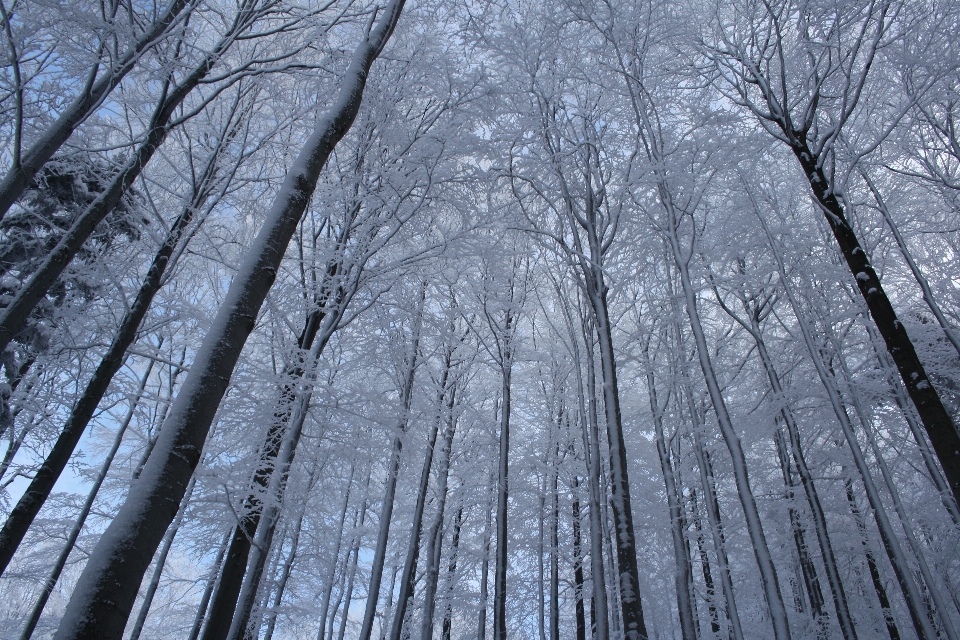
(391, 319)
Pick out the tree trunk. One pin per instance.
(270, 515)
(580, 614)
(19, 176)
(705, 568)
(105, 592)
(629, 573)
(447, 626)
(408, 577)
(682, 568)
(386, 511)
(555, 545)
(208, 590)
(891, 545)
(719, 540)
(808, 569)
(160, 563)
(940, 428)
(22, 516)
(875, 578)
(435, 537)
(503, 490)
(330, 578)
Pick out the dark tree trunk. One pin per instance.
(580, 614)
(937, 422)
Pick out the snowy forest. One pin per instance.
(480, 319)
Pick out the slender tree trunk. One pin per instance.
(629, 573)
(18, 177)
(705, 568)
(813, 499)
(555, 546)
(352, 574)
(386, 511)
(719, 540)
(808, 569)
(224, 604)
(408, 577)
(23, 514)
(447, 626)
(485, 564)
(891, 545)
(287, 567)
(260, 547)
(330, 578)
(768, 572)
(208, 590)
(435, 537)
(874, 570)
(503, 491)
(940, 427)
(106, 590)
(682, 568)
(579, 612)
(61, 561)
(590, 433)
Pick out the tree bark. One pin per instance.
(102, 600)
(579, 613)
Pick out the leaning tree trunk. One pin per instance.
(260, 546)
(329, 579)
(160, 563)
(106, 590)
(940, 427)
(891, 545)
(844, 618)
(91, 96)
(435, 537)
(15, 315)
(872, 567)
(682, 570)
(228, 588)
(61, 560)
(808, 569)
(208, 590)
(23, 514)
